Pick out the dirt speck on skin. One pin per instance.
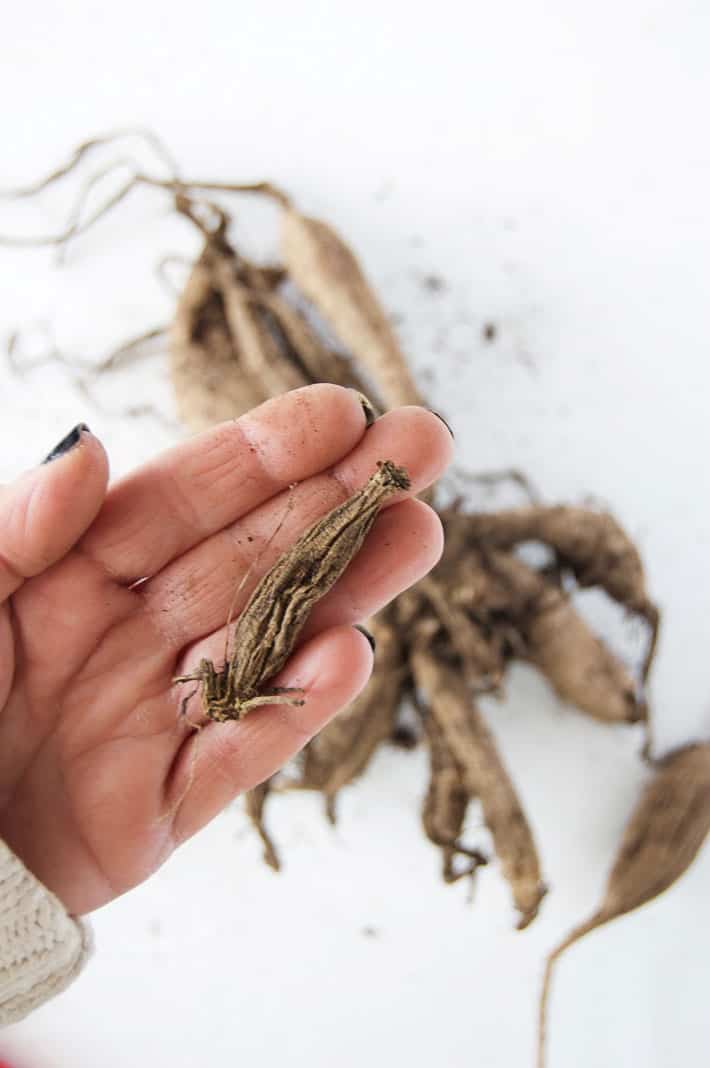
(489, 331)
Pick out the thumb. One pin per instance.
(45, 511)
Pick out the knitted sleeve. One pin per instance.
(42, 948)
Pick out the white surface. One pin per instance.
(551, 162)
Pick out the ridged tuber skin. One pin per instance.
(328, 273)
(667, 829)
(268, 628)
(484, 776)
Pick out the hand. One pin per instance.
(105, 596)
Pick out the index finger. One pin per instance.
(194, 490)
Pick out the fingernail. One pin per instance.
(443, 421)
(67, 443)
(367, 407)
(366, 633)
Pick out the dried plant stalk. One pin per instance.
(255, 801)
(276, 612)
(328, 273)
(664, 835)
(472, 746)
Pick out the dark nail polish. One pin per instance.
(443, 421)
(367, 407)
(366, 633)
(67, 443)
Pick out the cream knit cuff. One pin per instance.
(42, 947)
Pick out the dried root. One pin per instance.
(329, 274)
(445, 806)
(533, 619)
(343, 749)
(579, 666)
(664, 835)
(237, 341)
(255, 801)
(266, 632)
(239, 336)
(210, 381)
(592, 545)
(471, 745)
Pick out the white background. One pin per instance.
(551, 162)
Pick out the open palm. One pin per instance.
(105, 596)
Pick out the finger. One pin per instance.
(192, 596)
(45, 512)
(405, 542)
(190, 492)
(224, 759)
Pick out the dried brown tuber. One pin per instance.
(268, 628)
(537, 622)
(235, 341)
(591, 544)
(238, 337)
(328, 273)
(524, 614)
(255, 801)
(210, 380)
(303, 345)
(445, 805)
(580, 667)
(664, 835)
(471, 744)
(344, 748)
